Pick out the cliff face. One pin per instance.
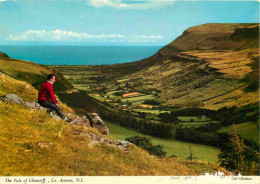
(3, 55)
(218, 37)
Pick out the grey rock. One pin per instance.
(33, 105)
(81, 121)
(124, 143)
(55, 117)
(18, 100)
(13, 98)
(98, 123)
(97, 139)
(45, 144)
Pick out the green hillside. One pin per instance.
(31, 72)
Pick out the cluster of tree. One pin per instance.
(195, 136)
(210, 128)
(145, 142)
(151, 102)
(118, 93)
(239, 156)
(228, 116)
(247, 115)
(193, 112)
(126, 119)
(168, 118)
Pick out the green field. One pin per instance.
(178, 148)
(196, 124)
(195, 118)
(245, 130)
(150, 111)
(139, 99)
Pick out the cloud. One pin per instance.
(58, 35)
(5, 0)
(134, 4)
(150, 37)
(61, 35)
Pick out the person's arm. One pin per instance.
(53, 98)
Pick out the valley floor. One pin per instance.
(171, 146)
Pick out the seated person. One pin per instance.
(47, 99)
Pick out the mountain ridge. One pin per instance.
(215, 58)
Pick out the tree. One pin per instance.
(191, 157)
(232, 153)
(251, 158)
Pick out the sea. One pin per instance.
(79, 55)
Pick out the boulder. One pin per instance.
(12, 98)
(33, 105)
(18, 100)
(98, 123)
(97, 140)
(81, 121)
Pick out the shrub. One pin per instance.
(141, 141)
(157, 150)
(145, 142)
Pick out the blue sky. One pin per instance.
(113, 22)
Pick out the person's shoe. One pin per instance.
(67, 119)
(49, 112)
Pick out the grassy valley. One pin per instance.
(210, 66)
(211, 70)
(34, 144)
(172, 147)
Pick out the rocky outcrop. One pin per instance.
(91, 120)
(98, 123)
(81, 121)
(97, 139)
(18, 100)
(12, 98)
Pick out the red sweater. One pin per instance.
(46, 92)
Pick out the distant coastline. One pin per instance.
(79, 55)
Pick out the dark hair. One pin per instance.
(50, 76)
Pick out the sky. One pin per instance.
(113, 22)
